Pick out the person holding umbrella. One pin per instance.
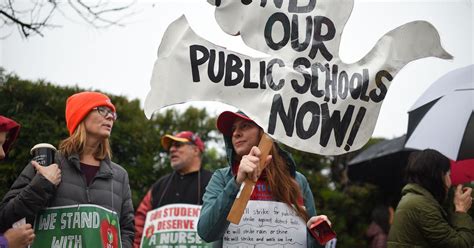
(279, 181)
(420, 220)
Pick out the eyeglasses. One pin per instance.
(178, 144)
(104, 111)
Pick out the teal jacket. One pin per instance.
(220, 195)
(420, 221)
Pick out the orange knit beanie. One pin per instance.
(80, 104)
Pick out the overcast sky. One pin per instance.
(120, 60)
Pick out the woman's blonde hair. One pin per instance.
(76, 143)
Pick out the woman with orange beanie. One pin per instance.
(82, 173)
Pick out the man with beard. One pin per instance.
(186, 184)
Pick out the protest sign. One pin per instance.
(302, 94)
(172, 225)
(267, 224)
(77, 226)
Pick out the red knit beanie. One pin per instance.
(80, 104)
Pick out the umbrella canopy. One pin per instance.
(381, 164)
(442, 118)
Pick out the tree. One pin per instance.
(31, 17)
(347, 206)
(150, 161)
(39, 108)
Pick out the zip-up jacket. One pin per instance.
(420, 221)
(32, 192)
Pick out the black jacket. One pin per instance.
(176, 188)
(169, 189)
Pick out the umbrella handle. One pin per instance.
(246, 189)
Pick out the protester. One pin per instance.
(22, 235)
(379, 227)
(186, 184)
(420, 220)
(9, 130)
(83, 172)
(278, 182)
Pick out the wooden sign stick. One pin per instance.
(243, 197)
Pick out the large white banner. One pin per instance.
(302, 94)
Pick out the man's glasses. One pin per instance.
(104, 111)
(178, 144)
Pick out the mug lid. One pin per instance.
(42, 145)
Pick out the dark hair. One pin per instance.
(381, 216)
(427, 168)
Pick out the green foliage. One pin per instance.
(39, 108)
(150, 161)
(348, 207)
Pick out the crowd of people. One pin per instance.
(83, 174)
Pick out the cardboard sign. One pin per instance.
(267, 224)
(77, 226)
(302, 94)
(173, 225)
